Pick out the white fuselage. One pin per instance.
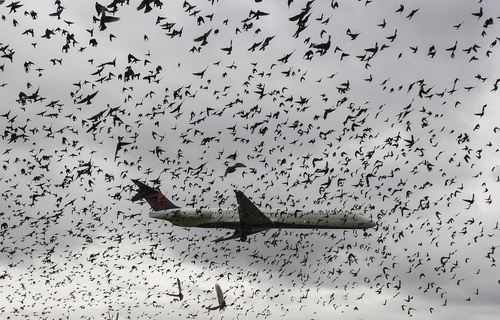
(281, 218)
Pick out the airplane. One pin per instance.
(246, 219)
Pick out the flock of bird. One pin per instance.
(374, 106)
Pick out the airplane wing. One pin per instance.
(250, 215)
(252, 220)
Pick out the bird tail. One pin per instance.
(157, 200)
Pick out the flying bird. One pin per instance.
(220, 299)
(203, 38)
(88, 98)
(233, 168)
(180, 295)
(104, 18)
(146, 5)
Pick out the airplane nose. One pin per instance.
(371, 224)
(368, 223)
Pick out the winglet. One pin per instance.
(154, 197)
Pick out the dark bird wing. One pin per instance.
(203, 38)
(100, 9)
(88, 98)
(232, 168)
(145, 4)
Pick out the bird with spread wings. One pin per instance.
(220, 298)
(180, 295)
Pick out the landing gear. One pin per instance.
(243, 237)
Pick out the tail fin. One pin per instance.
(154, 197)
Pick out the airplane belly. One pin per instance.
(306, 223)
(188, 217)
(338, 221)
(227, 220)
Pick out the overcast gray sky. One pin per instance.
(388, 108)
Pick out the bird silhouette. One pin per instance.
(231, 169)
(87, 99)
(179, 294)
(203, 38)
